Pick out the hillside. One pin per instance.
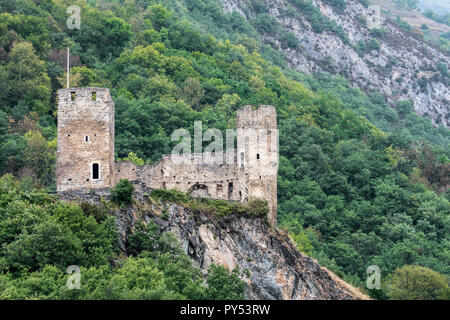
(433, 31)
(296, 35)
(273, 267)
(360, 183)
(441, 6)
(52, 247)
(389, 59)
(160, 245)
(414, 18)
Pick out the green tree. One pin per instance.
(122, 193)
(28, 78)
(223, 285)
(302, 242)
(412, 282)
(132, 157)
(40, 157)
(192, 92)
(265, 23)
(47, 243)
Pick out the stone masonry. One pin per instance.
(85, 138)
(85, 157)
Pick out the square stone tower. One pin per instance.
(257, 156)
(85, 156)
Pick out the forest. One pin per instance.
(360, 182)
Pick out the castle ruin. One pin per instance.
(85, 155)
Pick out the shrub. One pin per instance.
(302, 242)
(442, 68)
(338, 4)
(373, 44)
(99, 213)
(132, 157)
(122, 193)
(223, 284)
(169, 195)
(402, 24)
(417, 283)
(378, 33)
(218, 207)
(144, 238)
(259, 6)
(361, 48)
(265, 23)
(289, 40)
(257, 207)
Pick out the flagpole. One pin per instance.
(68, 60)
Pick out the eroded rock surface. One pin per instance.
(277, 270)
(404, 67)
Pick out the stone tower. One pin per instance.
(85, 156)
(257, 156)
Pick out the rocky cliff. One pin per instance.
(277, 270)
(341, 40)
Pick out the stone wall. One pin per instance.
(85, 137)
(258, 154)
(205, 179)
(252, 173)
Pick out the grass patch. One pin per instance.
(206, 206)
(169, 196)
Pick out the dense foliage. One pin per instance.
(41, 237)
(215, 207)
(441, 18)
(360, 183)
(417, 283)
(122, 193)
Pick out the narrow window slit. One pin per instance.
(95, 171)
(230, 190)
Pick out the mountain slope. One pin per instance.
(358, 184)
(442, 6)
(401, 66)
(414, 18)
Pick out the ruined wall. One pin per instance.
(252, 173)
(211, 177)
(85, 138)
(258, 154)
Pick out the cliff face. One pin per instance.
(277, 270)
(403, 67)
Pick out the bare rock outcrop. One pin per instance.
(402, 67)
(276, 269)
